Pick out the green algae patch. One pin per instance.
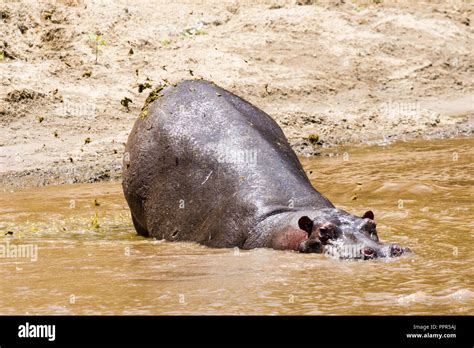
(125, 102)
(154, 95)
(314, 139)
(143, 86)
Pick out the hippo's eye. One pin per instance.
(374, 236)
(369, 227)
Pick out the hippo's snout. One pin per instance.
(393, 250)
(363, 251)
(383, 251)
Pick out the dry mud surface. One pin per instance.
(329, 73)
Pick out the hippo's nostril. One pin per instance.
(368, 253)
(396, 250)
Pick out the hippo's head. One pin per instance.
(343, 235)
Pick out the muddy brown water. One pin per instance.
(88, 259)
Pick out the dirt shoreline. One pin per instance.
(330, 74)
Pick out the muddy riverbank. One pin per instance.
(75, 74)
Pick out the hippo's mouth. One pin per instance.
(340, 250)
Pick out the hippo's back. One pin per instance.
(207, 166)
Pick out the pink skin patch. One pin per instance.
(288, 239)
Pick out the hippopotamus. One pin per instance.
(202, 164)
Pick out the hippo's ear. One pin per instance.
(368, 214)
(306, 224)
